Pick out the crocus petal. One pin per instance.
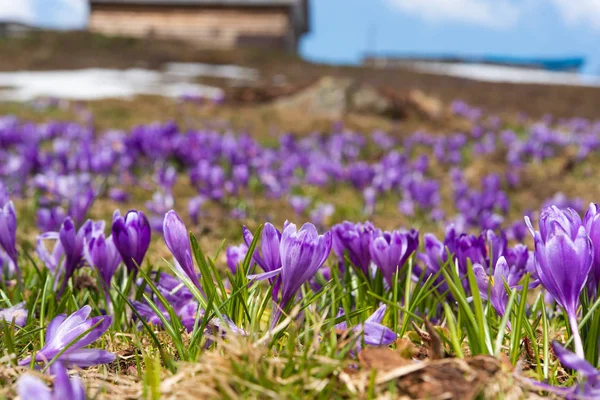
(31, 388)
(87, 357)
(54, 326)
(378, 315)
(574, 362)
(16, 313)
(248, 239)
(75, 319)
(264, 275)
(78, 389)
(270, 247)
(62, 383)
(377, 334)
(178, 242)
(103, 322)
(482, 279)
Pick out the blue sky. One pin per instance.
(342, 30)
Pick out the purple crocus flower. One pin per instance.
(406, 207)
(492, 287)
(467, 247)
(131, 235)
(178, 241)
(592, 227)
(563, 260)
(62, 330)
(371, 332)
(355, 239)
(236, 255)
(299, 203)
(30, 387)
(101, 253)
(302, 253)
(118, 195)
(165, 177)
(8, 233)
(517, 231)
(561, 201)
(321, 213)
(72, 244)
(391, 250)
(195, 207)
(238, 213)
(72, 241)
(370, 198)
(17, 313)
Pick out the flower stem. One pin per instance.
(576, 337)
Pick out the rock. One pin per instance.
(367, 100)
(427, 105)
(413, 103)
(327, 97)
(334, 97)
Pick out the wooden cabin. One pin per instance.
(208, 23)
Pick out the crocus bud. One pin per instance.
(178, 241)
(131, 235)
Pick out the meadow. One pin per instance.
(192, 249)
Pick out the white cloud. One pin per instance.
(491, 13)
(16, 10)
(579, 11)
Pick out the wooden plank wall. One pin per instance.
(207, 27)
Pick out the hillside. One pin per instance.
(75, 50)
